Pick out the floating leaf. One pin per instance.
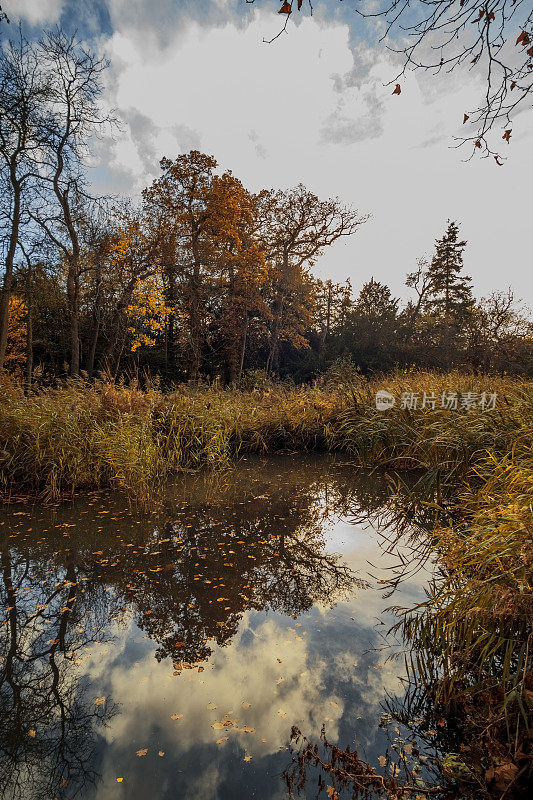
(32, 734)
(142, 752)
(176, 716)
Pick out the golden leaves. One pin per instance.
(32, 733)
(142, 752)
(100, 701)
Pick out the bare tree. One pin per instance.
(74, 117)
(22, 92)
(298, 226)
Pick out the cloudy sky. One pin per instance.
(311, 107)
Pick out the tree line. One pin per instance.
(201, 278)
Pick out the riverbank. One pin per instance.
(471, 640)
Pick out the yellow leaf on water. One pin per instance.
(247, 758)
(32, 734)
(217, 726)
(99, 701)
(176, 716)
(142, 752)
(223, 739)
(161, 753)
(119, 780)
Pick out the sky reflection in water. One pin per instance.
(240, 606)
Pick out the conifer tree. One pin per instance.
(449, 298)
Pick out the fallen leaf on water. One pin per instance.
(176, 716)
(142, 752)
(161, 753)
(245, 704)
(223, 739)
(218, 726)
(247, 758)
(99, 701)
(333, 703)
(332, 792)
(32, 734)
(247, 730)
(281, 713)
(119, 780)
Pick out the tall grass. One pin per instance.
(106, 435)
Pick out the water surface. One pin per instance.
(166, 652)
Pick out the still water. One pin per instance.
(166, 652)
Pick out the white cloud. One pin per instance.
(307, 108)
(35, 12)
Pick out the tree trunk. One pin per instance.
(243, 348)
(8, 273)
(29, 335)
(73, 292)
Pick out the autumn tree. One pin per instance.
(239, 270)
(181, 206)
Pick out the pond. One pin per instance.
(166, 652)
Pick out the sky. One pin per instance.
(311, 107)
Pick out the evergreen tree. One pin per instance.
(449, 298)
(450, 293)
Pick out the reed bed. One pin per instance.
(81, 436)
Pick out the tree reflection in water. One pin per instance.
(185, 570)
